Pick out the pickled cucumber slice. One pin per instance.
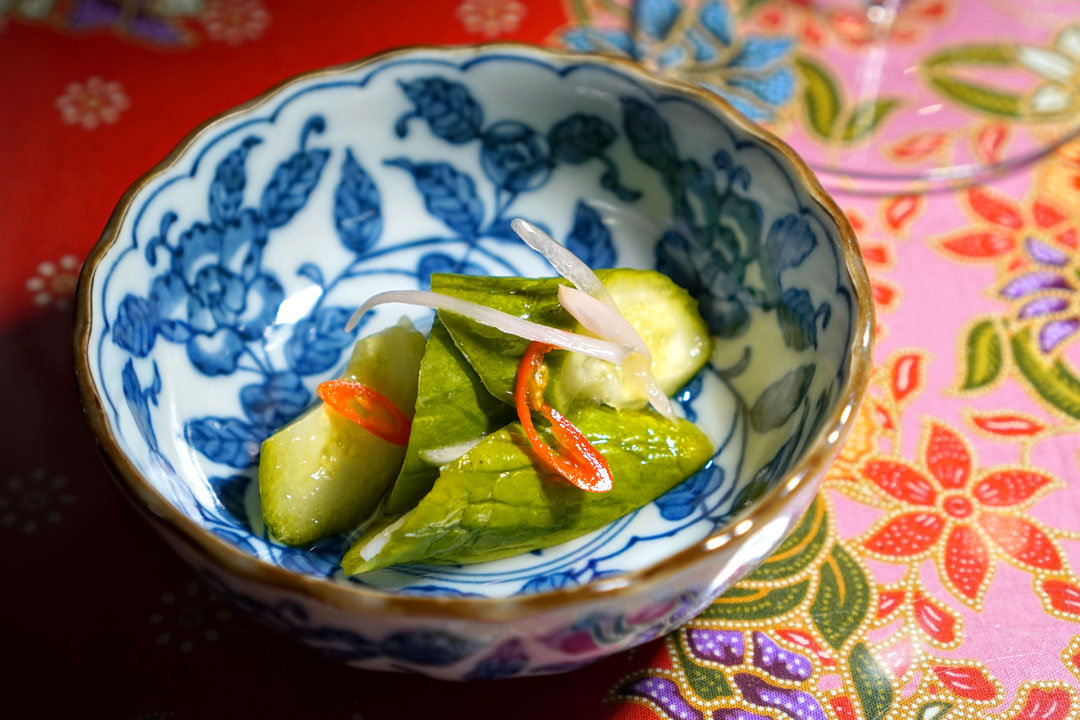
(322, 474)
(667, 319)
(664, 314)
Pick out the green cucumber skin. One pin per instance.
(322, 474)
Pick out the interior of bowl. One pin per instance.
(220, 303)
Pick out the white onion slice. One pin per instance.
(448, 453)
(599, 349)
(601, 319)
(569, 265)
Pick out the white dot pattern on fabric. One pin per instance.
(29, 503)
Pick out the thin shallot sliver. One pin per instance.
(638, 368)
(599, 349)
(569, 265)
(603, 320)
(610, 326)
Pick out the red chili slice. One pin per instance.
(579, 462)
(382, 418)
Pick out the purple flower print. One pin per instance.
(1046, 294)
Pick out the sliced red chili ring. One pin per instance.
(579, 461)
(382, 417)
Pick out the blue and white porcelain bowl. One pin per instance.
(215, 303)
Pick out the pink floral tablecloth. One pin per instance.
(933, 578)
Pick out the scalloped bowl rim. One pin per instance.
(360, 598)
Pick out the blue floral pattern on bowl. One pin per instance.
(224, 298)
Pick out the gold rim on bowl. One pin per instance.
(367, 600)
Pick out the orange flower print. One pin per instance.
(1005, 226)
(858, 27)
(1038, 251)
(1061, 596)
(927, 620)
(91, 103)
(234, 21)
(892, 385)
(855, 27)
(1071, 657)
(961, 516)
(918, 146)
(490, 18)
(879, 258)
